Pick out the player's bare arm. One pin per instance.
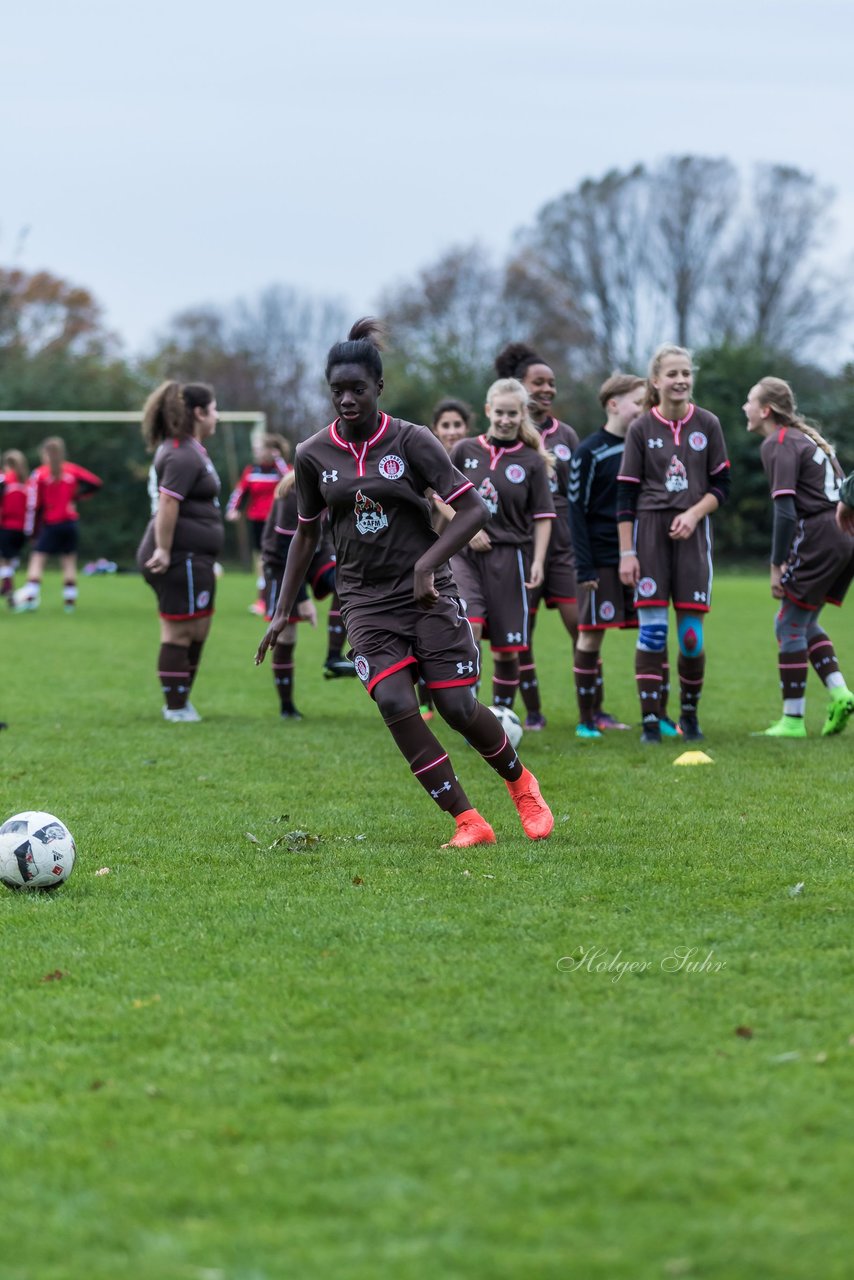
(470, 515)
(302, 549)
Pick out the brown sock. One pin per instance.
(822, 655)
(505, 678)
(429, 761)
(173, 670)
(194, 657)
(648, 679)
(485, 734)
(793, 669)
(665, 687)
(585, 669)
(691, 671)
(529, 689)
(283, 674)
(599, 695)
(334, 631)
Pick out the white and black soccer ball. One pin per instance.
(510, 723)
(37, 851)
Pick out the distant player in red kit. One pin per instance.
(53, 491)
(398, 599)
(256, 488)
(812, 560)
(504, 562)
(558, 588)
(674, 474)
(13, 517)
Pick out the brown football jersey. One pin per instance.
(796, 466)
(183, 470)
(513, 481)
(379, 516)
(561, 440)
(674, 463)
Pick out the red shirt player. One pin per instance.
(399, 602)
(13, 516)
(256, 490)
(53, 491)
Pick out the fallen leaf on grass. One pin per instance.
(102, 871)
(144, 1004)
(792, 1056)
(249, 836)
(296, 841)
(96, 1085)
(466, 873)
(358, 880)
(796, 889)
(53, 977)
(746, 1033)
(487, 877)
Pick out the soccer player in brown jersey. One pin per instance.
(398, 598)
(674, 474)
(558, 588)
(184, 537)
(845, 506)
(503, 563)
(812, 560)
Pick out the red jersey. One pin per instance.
(54, 501)
(13, 501)
(258, 484)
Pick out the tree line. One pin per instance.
(687, 250)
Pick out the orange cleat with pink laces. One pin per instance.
(535, 814)
(471, 829)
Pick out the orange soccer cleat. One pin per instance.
(534, 813)
(471, 829)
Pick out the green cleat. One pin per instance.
(587, 731)
(786, 727)
(840, 709)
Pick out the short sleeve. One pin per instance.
(718, 460)
(179, 472)
(433, 467)
(310, 504)
(542, 502)
(781, 461)
(631, 466)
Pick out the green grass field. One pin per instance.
(363, 1057)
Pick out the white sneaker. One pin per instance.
(24, 602)
(182, 715)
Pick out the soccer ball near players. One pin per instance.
(510, 723)
(37, 851)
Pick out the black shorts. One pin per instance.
(821, 562)
(11, 543)
(256, 528)
(611, 604)
(437, 644)
(559, 584)
(186, 590)
(59, 539)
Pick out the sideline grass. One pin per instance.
(361, 1058)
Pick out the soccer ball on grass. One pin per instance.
(37, 851)
(510, 723)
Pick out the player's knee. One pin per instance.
(690, 633)
(652, 633)
(395, 699)
(456, 706)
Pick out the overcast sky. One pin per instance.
(178, 152)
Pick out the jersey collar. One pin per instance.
(359, 452)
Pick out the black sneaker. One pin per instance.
(651, 732)
(333, 668)
(290, 713)
(691, 731)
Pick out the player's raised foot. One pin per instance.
(587, 730)
(786, 727)
(334, 668)
(290, 713)
(535, 721)
(259, 609)
(603, 721)
(669, 728)
(651, 732)
(181, 715)
(534, 814)
(839, 712)
(691, 731)
(471, 829)
(425, 711)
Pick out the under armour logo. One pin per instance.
(700, 596)
(656, 444)
(465, 668)
(514, 637)
(471, 463)
(329, 477)
(446, 786)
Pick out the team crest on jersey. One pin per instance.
(606, 610)
(489, 493)
(514, 473)
(676, 477)
(203, 599)
(647, 587)
(362, 666)
(697, 441)
(391, 467)
(563, 452)
(370, 517)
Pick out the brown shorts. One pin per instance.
(674, 569)
(610, 605)
(559, 584)
(436, 643)
(821, 563)
(492, 587)
(321, 571)
(272, 587)
(186, 590)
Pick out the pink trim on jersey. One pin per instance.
(629, 479)
(457, 492)
(309, 519)
(389, 671)
(722, 467)
(287, 532)
(780, 493)
(544, 515)
(170, 493)
(781, 435)
(675, 424)
(361, 453)
(497, 454)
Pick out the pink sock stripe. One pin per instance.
(431, 765)
(685, 680)
(174, 673)
(647, 676)
(793, 666)
(283, 666)
(493, 754)
(818, 644)
(498, 680)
